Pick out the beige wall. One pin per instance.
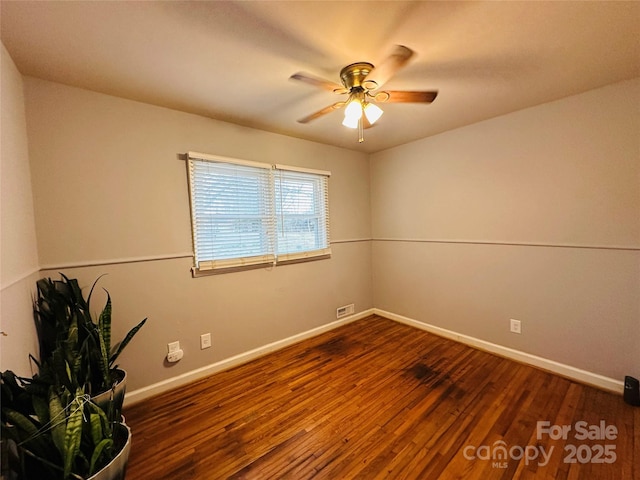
(109, 188)
(19, 256)
(533, 216)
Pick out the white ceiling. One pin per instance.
(232, 60)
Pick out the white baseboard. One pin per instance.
(552, 366)
(141, 394)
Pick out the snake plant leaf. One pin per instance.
(126, 341)
(96, 428)
(9, 432)
(104, 322)
(76, 290)
(41, 408)
(100, 449)
(104, 328)
(73, 433)
(104, 360)
(75, 365)
(72, 337)
(68, 371)
(51, 309)
(60, 368)
(105, 423)
(92, 288)
(82, 462)
(58, 424)
(35, 360)
(36, 386)
(21, 422)
(26, 430)
(72, 357)
(9, 385)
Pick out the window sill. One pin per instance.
(197, 273)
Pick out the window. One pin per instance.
(250, 214)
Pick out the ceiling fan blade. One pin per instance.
(393, 96)
(322, 112)
(319, 82)
(387, 69)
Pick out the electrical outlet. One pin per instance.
(516, 326)
(205, 341)
(175, 353)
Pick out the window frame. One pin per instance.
(320, 182)
(318, 179)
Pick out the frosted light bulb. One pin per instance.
(372, 112)
(350, 122)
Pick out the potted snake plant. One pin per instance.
(75, 350)
(64, 423)
(55, 434)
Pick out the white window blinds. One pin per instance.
(302, 214)
(231, 213)
(249, 214)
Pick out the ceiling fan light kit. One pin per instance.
(361, 81)
(354, 106)
(372, 112)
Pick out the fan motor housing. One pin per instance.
(353, 75)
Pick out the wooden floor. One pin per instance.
(378, 399)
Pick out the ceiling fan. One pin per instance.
(362, 82)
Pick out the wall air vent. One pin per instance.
(344, 311)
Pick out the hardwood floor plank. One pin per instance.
(377, 399)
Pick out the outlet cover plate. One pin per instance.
(515, 326)
(205, 341)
